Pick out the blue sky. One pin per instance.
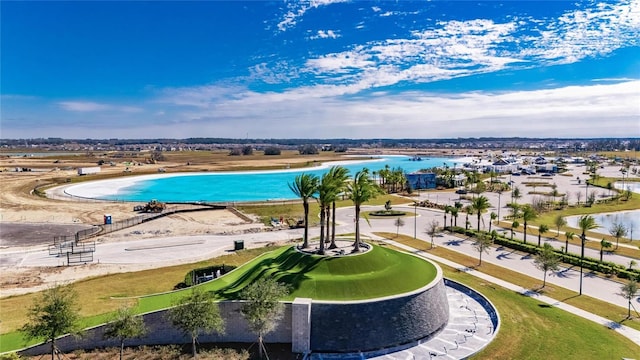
(320, 69)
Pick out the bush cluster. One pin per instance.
(604, 267)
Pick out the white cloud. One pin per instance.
(90, 106)
(463, 48)
(329, 34)
(296, 9)
(596, 110)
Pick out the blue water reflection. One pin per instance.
(250, 186)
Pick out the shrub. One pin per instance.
(247, 150)
(308, 149)
(272, 150)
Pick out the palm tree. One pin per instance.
(327, 192)
(361, 189)
(528, 214)
(447, 208)
(568, 236)
(514, 226)
(492, 217)
(454, 214)
(458, 206)
(618, 230)
(480, 204)
(559, 222)
(467, 210)
(339, 176)
(586, 223)
(604, 244)
(543, 228)
(305, 187)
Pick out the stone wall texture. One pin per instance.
(161, 331)
(373, 325)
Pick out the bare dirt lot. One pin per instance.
(29, 221)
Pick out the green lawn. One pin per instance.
(377, 273)
(532, 330)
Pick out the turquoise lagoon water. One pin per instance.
(248, 186)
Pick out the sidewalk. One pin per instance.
(632, 334)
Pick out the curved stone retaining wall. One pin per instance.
(317, 326)
(373, 325)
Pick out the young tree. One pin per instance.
(398, 222)
(568, 236)
(53, 314)
(604, 244)
(629, 291)
(432, 230)
(305, 187)
(559, 222)
(481, 245)
(125, 325)
(578, 197)
(546, 260)
(263, 308)
(542, 229)
(516, 194)
(618, 230)
(196, 313)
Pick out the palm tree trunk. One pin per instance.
(539, 238)
(478, 221)
(525, 232)
(305, 241)
(356, 244)
(322, 216)
(333, 223)
(121, 348)
(53, 349)
(601, 251)
(566, 246)
(328, 229)
(260, 346)
(544, 279)
(193, 347)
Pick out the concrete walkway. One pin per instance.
(631, 334)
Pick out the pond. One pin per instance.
(630, 219)
(634, 186)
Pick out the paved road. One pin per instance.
(593, 286)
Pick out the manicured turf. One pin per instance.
(377, 273)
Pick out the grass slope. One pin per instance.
(377, 273)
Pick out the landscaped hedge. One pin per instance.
(604, 267)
